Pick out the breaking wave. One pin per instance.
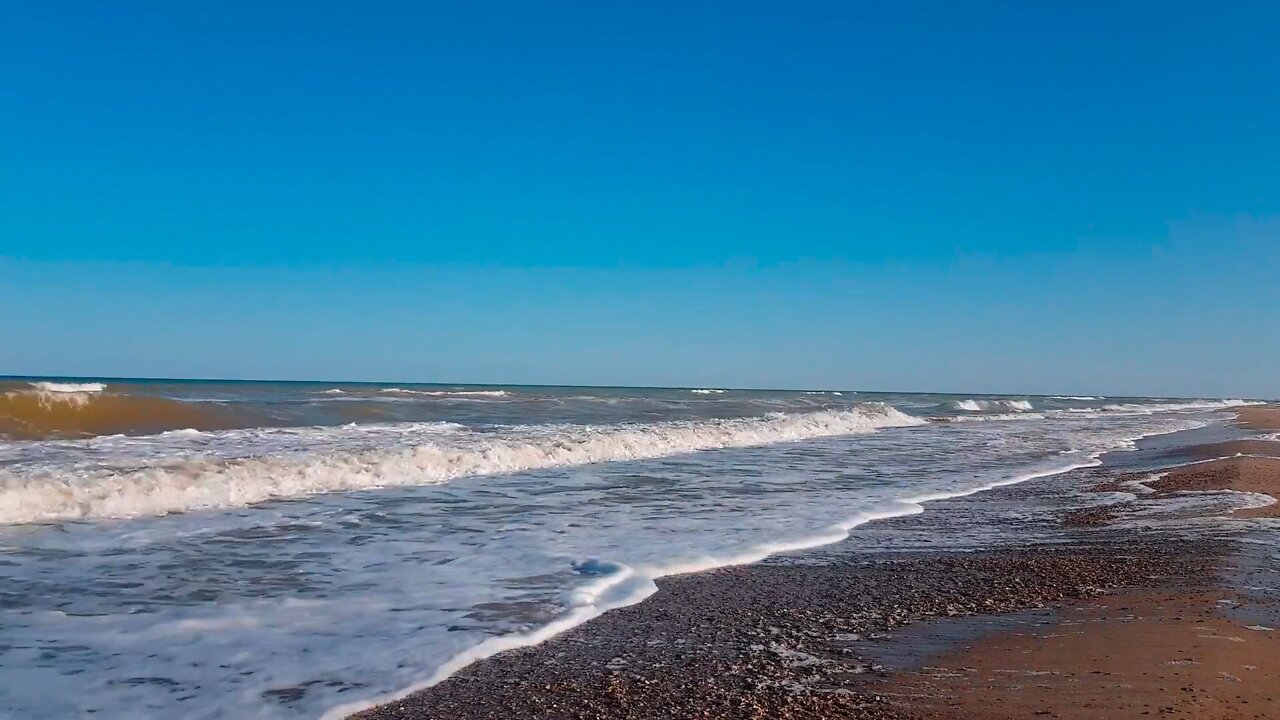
(205, 484)
(1074, 397)
(69, 387)
(68, 410)
(1005, 406)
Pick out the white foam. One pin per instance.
(184, 432)
(1153, 408)
(1148, 409)
(205, 484)
(992, 417)
(1142, 487)
(447, 393)
(1246, 500)
(992, 405)
(53, 387)
(708, 391)
(1075, 397)
(596, 600)
(51, 393)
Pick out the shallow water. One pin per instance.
(278, 570)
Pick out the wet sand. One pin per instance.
(1215, 451)
(1173, 651)
(1168, 652)
(1102, 619)
(783, 641)
(1239, 474)
(1260, 417)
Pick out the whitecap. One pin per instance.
(53, 387)
(207, 484)
(1000, 405)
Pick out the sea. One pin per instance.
(230, 549)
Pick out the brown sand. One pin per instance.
(1260, 417)
(1242, 474)
(1177, 653)
(1211, 451)
(1126, 655)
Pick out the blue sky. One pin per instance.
(984, 198)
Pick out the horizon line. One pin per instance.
(601, 387)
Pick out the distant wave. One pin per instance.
(1075, 397)
(1175, 406)
(201, 484)
(1152, 408)
(428, 393)
(823, 392)
(988, 411)
(447, 393)
(988, 417)
(991, 405)
(708, 391)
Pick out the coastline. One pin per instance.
(1054, 628)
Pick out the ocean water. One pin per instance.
(295, 550)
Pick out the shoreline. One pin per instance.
(804, 635)
(504, 644)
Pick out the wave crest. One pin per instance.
(991, 405)
(65, 410)
(54, 387)
(206, 485)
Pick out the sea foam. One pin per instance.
(628, 585)
(1137, 409)
(447, 393)
(53, 387)
(207, 484)
(991, 405)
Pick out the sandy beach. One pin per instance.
(1099, 613)
(1260, 417)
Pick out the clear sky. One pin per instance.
(908, 196)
